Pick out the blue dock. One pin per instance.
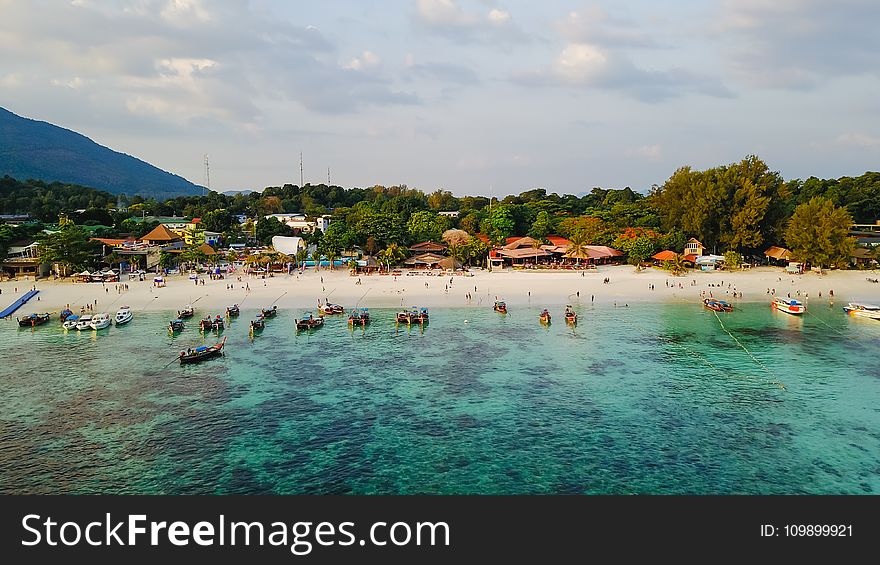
(18, 303)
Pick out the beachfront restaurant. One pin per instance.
(423, 261)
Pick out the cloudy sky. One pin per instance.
(473, 96)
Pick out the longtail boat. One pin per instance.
(310, 323)
(66, 313)
(233, 311)
(359, 317)
(423, 316)
(571, 316)
(33, 320)
(544, 317)
(717, 305)
(500, 306)
(175, 325)
(187, 312)
(329, 308)
(202, 352)
(258, 323)
(270, 312)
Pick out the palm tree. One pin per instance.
(301, 255)
(393, 254)
(536, 245)
(578, 247)
(677, 264)
(135, 261)
(331, 256)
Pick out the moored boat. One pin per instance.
(789, 306)
(175, 325)
(571, 316)
(187, 312)
(33, 320)
(206, 324)
(330, 308)
(258, 323)
(233, 311)
(310, 323)
(194, 355)
(66, 313)
(123, 315)
(500, 306)
(100, 321)
(423, 316)
(218, 324)
(84, 322)
(359, 317)
(717, 305)
(70, 322)
(544, 317)
(270, 312)
(860, 310)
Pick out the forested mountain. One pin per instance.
(30, 149)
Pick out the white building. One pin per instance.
(301, 224)
(449, 214)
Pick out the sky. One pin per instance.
(472, 96)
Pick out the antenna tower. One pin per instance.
(207, 175)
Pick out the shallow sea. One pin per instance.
(656, 398)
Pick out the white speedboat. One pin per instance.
(789, 306)
(85, 322)
(862, 310)
(123, 316)
(100, 321)
(70, 322)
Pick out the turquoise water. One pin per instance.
(646, 399)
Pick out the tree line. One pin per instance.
(741, 208)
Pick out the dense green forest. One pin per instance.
(742, 207)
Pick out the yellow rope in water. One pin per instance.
(749, 353)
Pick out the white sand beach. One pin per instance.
(625, 287)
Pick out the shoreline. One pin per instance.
(521, 287)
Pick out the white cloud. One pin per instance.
(185, 13)
(581, 62)
(591, 66)
(594, 25)
(185, 60)
(497, 16)
(855, 139)
(74, 83)
(648, 152)
(365, 60)
(447, 18)
(799, 44)
(443, 13)
(11, 80)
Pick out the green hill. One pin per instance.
(30, 149)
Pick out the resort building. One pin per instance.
(449, 213)
(427, 247)
(693, 249)
(23, 260)
(302, 224)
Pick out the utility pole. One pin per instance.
(328, 177)
(300, 169)
(207, 175)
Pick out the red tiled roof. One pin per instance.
(557, 240)
(109, 241)
(483, 237)
(511, 239)
(161, 233)
(666, 255)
